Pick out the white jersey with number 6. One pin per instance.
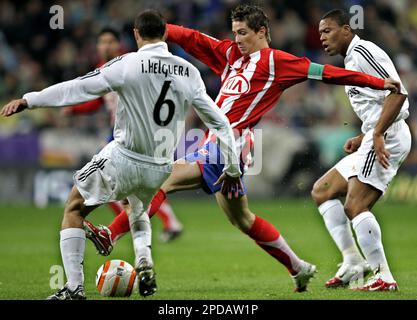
(155, 90)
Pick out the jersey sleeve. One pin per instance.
(93, 85)
(208, 50)
(335, 75)
(218, 123)
(291, 70)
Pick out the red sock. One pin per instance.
(156, 202)
(164, 218)
(119, 226)
(263, 232)
(116, 207)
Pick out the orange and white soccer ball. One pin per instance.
(116, 278)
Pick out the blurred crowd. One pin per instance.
(33, 56)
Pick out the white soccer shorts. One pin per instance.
(365, 166)
(112, 176)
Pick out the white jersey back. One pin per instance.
(367, 57)
(155, 90)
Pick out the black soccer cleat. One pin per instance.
(146, 279)
(66, 294)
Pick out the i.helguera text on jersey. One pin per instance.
(156, 66)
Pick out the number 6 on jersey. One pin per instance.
(158, 106)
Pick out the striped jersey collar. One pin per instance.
(353, 43)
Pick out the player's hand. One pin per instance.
(230, 186)
(381, 153)
(13, 107)
(392, 85)
(353, 144)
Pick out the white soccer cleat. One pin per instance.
(376, 283)
(303, 277)
(349, 274)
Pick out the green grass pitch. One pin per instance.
(212, 260)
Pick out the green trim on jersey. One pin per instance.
(315, 71)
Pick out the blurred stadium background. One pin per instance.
(302, 137)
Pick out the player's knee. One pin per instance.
(74, 206)
(243, 220)
(318, 195)
(352, 209)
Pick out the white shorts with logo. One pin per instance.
(365, 166)
(112, 175)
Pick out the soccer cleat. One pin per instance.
(167, 235)
(349, 273)
(66, 294)
(376, 283)
(100, 236)
(146, 278)
(303, 277)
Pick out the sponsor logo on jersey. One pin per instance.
(235, 85)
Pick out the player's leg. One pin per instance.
(184, 176)
(371, 181)
(325, 193)
(72, 245)
(116, 207)
(267, 237)
(359, 201)
(172, 227)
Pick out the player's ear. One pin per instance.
(346, 30)
(137, 36)
(262, 32)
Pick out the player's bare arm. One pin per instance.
(391, 108)
(353, 144)
(14, 106)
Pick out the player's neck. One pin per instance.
(258, 48)
(348, 42)
(145, 42)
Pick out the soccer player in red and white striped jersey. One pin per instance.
(253, 77)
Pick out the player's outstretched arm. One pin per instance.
(14, 106)
(335, 75)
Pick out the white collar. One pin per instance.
(152, 46)
(353, 43)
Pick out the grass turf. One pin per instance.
(212, 259)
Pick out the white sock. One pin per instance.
(283, 246)
(140, 228)
(338, 226)
(72, 251)
(368, 233)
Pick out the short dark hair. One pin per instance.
(254, 17)
(111, 31)
(150, 24)
(340, 16)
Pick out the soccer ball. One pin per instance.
(116, 278)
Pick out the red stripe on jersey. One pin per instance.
(251, 105)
